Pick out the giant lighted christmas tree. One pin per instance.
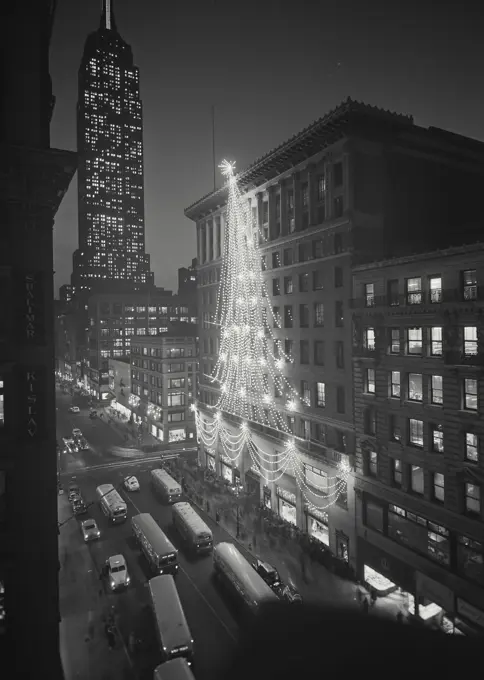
(250, 368)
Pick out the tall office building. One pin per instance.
(110, 145)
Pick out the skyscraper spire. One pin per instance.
(108, 20)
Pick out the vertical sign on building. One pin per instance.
(30, 312)
(31, 382)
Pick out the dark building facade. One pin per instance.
(187, 279)
(34, 178)
(418, 360)
(111, 176)
(357, 184)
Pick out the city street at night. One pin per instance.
(212, 621)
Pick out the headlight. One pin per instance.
(112, 584)
(98, 534)
(128, 579)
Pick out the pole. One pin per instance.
(213, 148)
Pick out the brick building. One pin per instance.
(419, 415)
(357, 184)
(164, 381)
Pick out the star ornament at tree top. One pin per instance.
(227, 168)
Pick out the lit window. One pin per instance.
(414, 291)
(436, 390)
(415, 391)
(414, 340)
(417, 479)
(397, 472)
(395, 384)
(369, 294)
(470, 394)
(473, 498)
(288, 286)
(370, 380)
(436, 341)
(435, 285)
(470, 340)
(472, 451)
(438, 439)
(320, 395)
(469, 284)
(370, 339)
(395, 341)
(439, 487)
(373, 463)
(416, 432)
(318, 314)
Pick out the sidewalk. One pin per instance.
(286, 555)
(123, 426)
(84, 611)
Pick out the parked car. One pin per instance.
(131, 483)
(117, 572)
(90, 530)
(76, 433)
(268, 573)
(78, 506)
(74, 409)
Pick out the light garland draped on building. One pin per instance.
(251, 363)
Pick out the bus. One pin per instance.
(161, 554)
(112, 504)
(192, 528)
(174, 635)
(177, 669)
(241, 577)
(165, 486)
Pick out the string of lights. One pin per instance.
(251, 362)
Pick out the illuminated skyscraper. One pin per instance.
(110, 177)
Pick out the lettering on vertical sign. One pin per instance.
(32, 419)
(30, 309)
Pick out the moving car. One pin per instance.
(73, 492)
(131, 483)
(74, 409)
(117, 572)
(268, 573)
(70, 445)
(78, 506)
(83, 444)
(90, 530)
(92, 414)
(76, 433)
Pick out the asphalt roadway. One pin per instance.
(212, 617)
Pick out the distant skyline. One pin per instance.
(270, 69)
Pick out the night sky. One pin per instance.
(270, 69)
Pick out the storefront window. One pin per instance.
(287, 511)
(419, 534)
(426, 609)
(177, 435)
(318, 529)
(470, 559)
(211, 462)
(227, 473)
(342, 548)
(377, 581)
(267, 498)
